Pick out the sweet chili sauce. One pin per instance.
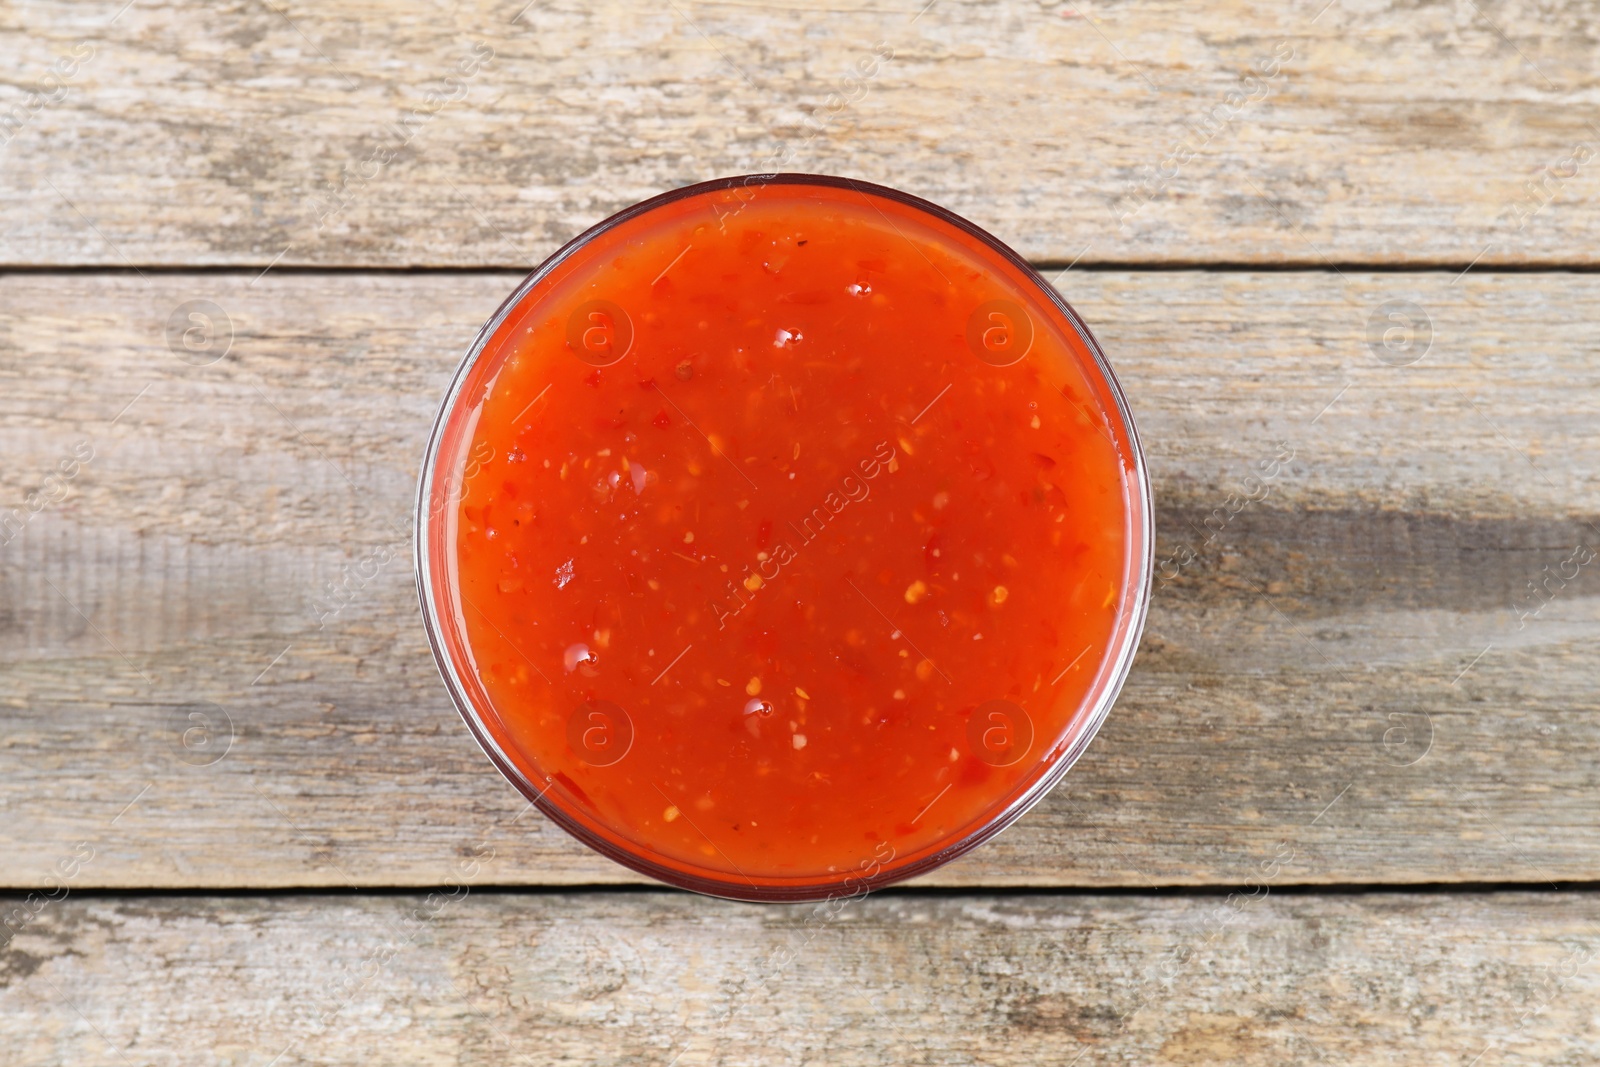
(786, 534)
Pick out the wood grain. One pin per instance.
(1344, 669)
(406, 133)
(654, 978)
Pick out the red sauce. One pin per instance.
(789, 534)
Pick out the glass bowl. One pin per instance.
(822, 312)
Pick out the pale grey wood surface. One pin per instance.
(657, 978)
(1348, 684)
(1377, 592)
(193, 133)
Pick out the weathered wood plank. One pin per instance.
(652, 978)
(408, 133)
(1376, 594)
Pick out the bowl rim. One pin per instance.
(1126, 632)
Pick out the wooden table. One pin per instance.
(1345, 810)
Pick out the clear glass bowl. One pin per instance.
(449, 461)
